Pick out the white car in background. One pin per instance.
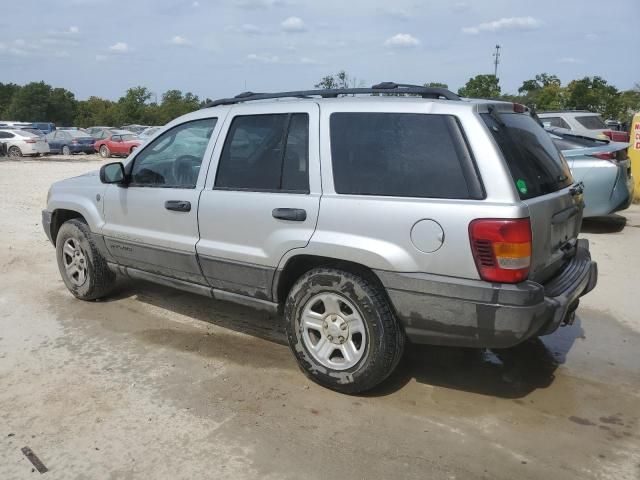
(581, 122)
(22, 142)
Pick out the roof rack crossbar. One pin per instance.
(381, 88)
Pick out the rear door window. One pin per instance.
(266, 153)
(401, 155)
(591, 122)
(536, 165)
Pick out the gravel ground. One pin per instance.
(154, 383)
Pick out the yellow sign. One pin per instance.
(634, 154)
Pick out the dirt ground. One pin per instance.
(154, 383)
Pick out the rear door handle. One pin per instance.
(178, 205)
(291, 214)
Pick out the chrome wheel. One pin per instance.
(14, 152)
(104, 152)
(75, 262)
(333, 331)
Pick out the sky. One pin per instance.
(218, 48)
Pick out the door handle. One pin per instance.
(178, 205)
(291, 214)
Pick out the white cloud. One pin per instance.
(251, 4)
(119, 47)
(511, 23)
(402, 40)
(73, 29)
(263, 58)
(181, 41)
(569, 60)
(249, 29)
(293, 24)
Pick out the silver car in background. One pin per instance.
(602, 166)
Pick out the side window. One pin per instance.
(401, 155)
(116, 138)
(266, 153)
(555, 122)
(174, 158)
(5, 135)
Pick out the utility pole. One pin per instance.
(496, 61)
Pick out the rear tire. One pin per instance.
(104, 151)
(342, 330)
(83, 269)
(14, 152)
(66, 151)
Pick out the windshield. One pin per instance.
(536, 165)
(591, 122)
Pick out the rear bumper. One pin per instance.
(451, 311)
(82, 148)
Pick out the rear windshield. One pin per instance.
(401, 155)
(536, 165)
(591, 122)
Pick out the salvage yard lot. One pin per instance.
(168, 384)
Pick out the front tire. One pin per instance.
(342, 330)
(15, 152)
(66, 151)
(83, 269)
(104, 151)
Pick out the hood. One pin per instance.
(89, 179)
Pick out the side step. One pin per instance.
(135, 274)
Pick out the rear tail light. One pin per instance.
(605, 156)
(30, 141)
(519, 108)
(74, 142)
(501, 248)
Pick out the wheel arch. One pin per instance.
(59, 217)
(298, 265)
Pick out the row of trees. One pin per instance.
(38, 101)
(544, 92)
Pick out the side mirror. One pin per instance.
(112, 173)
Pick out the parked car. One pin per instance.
(44, 127)
(603, 167)
(443, 222)
(581, 122)
(134, 128)
(119, 143)
(99, 133)
(69, 142)
(148, 132)
(21, 143)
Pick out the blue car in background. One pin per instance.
(68, 142)
(44, 127)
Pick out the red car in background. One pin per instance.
(119, 143)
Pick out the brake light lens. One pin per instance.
(519, 108)
(29, 140)
(605, 156)
(501, 248)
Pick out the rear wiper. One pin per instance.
(495, 116)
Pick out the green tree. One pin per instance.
(481, 86)
(61, 108)
(544, 92)
(7, 91)
(340, 80)
(174, 104)
(132, 107)
(594, 94)
(96, 111)
(30, 103)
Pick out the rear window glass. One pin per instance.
(536, 165)
(398, 154)
(591, 122)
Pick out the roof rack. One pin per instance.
(380, 88)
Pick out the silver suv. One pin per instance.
(366, 219)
